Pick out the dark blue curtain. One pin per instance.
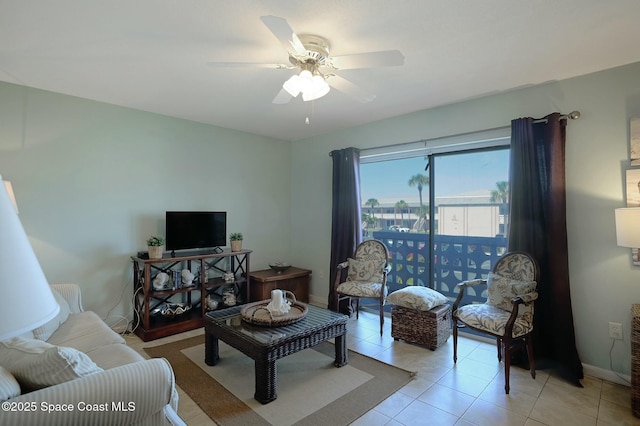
(346, 217)
(538, 226)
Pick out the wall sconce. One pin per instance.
(628, 230)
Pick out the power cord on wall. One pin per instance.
(121, 318)
(136, 315)
(613, 343)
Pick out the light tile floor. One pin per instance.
(470, 392)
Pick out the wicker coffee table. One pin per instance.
(265, 345)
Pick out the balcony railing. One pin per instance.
(455, 259)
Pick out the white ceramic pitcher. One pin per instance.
(279, 305)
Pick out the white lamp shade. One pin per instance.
(27, 301)
(628, 227)
(12, 197)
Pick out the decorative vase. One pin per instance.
(236, 245)
(155, 252)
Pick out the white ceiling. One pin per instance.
(153, 55)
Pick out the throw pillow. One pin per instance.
(37, 364)
(502, 289)
(9, 387)
(45, 331)
(417, 297)
(364, 270)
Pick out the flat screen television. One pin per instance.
(195, 230)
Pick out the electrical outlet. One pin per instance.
(615, 331)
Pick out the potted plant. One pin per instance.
(155, 246)
(236, 241)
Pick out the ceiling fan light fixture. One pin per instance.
(305, 81)
(292, 85)
(317, 90)
(311, 86)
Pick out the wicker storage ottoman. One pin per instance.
(428, 328)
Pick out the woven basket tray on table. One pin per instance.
(257, 313)
(428, 328)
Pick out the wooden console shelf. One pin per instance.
(147, 301)
(296, 280)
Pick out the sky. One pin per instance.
(455, 174)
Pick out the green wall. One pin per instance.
(93, 181)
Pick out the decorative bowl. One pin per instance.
(171, 310)
(279, 267)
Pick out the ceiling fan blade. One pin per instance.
(283, 32)
(345, 86)
(386, 58)
(249, 65)
(283, 97)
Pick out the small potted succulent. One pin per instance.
(155, 246)
(236, 241)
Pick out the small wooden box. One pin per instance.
(428, 328)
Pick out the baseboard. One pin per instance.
(608, 375)
(320, 302)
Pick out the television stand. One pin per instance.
(209, 268)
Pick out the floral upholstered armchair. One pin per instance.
(507, 314)
(366, 277)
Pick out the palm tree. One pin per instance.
(368, 220)
(401, 205)
(373, 203)
(420, 181)
(422, 222)
(501, 195)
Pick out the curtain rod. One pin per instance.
(573, 115)
(441, 137)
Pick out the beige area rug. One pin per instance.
(311, 391)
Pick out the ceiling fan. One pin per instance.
(310, 54)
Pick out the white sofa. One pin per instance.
(121, 387)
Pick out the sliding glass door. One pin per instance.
(442, 216)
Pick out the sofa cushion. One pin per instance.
(37, 364)
(417, 297)
(84, 331)
(9, 387)
(114, 355)
(45, 331)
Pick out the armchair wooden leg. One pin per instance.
(506, 344)
(455, 341)
(381, 315)
(532, 361)
(499, 349)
